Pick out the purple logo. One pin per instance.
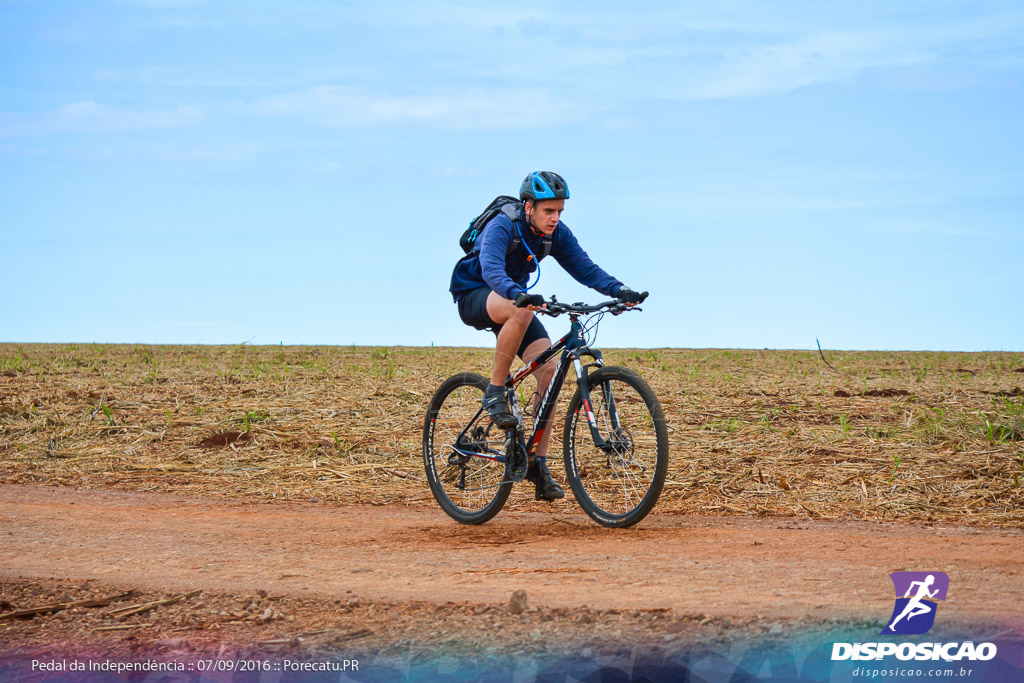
(917, 594)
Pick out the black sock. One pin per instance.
(494, 389)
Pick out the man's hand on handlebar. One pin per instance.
(629, 297)
(533, 302)
(554, 308)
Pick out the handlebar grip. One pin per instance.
(523, 300)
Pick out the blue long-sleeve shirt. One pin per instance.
(508, 275)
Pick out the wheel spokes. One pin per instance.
(618, 477)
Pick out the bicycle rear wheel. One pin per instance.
(617, 486)
(457, 434)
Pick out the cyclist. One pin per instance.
(490, 290)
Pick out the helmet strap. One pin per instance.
(529, 218)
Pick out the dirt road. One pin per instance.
(720, 566)
(108, 547)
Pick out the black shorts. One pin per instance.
(473, 311)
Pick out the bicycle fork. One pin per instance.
(588, 411)
(577, 347)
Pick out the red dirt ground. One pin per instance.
(414, 563)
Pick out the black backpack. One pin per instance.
(511, 207)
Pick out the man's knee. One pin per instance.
(500, 309)
(521, 316)
(504, 312)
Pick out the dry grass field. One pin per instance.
(924, 436)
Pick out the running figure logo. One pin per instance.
(916, 596)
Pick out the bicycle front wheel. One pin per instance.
(459, 446)
(616, 485)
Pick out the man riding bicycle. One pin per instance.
(490, 288)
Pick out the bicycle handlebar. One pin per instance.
(555, 308)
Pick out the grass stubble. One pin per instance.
(930, 437)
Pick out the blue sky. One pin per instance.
(176, 171)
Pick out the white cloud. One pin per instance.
(748, 51)
(935, 79)
(91, 117)
(466, 109)
(162, 4)
(392, 172)
(182, 153)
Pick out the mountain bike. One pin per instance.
(615, 442)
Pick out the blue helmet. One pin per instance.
(543, 185)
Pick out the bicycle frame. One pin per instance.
(572, 347)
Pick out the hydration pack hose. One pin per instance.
(533, 256)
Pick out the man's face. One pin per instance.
(544, 214)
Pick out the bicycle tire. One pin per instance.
(471, 490)
(621, 488)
